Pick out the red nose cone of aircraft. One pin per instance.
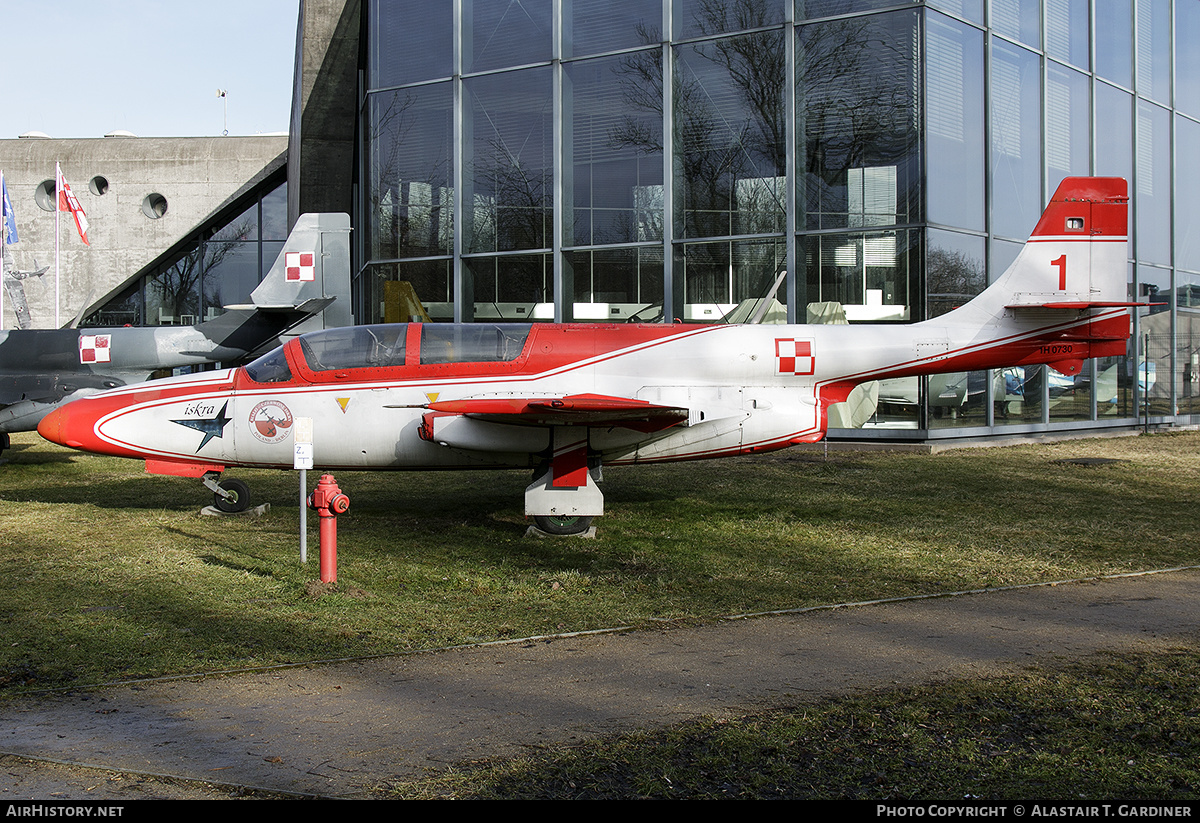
(57, 428)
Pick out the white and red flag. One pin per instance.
(68, 202)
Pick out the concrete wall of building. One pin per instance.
(195, 176)
(324, 108)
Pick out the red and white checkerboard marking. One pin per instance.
(300, 266)
(794, 357)
(95, 348)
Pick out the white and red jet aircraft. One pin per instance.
(567, 398)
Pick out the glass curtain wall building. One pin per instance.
(608, 160)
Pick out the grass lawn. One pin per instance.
(113, 574)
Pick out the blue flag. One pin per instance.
(10, 221)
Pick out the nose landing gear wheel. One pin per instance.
(239, 499)
(562, 524)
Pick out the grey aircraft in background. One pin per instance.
(307, 289)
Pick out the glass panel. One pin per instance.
(411, 45)
(1154, 50)
(1067, 31)
(1016, 140)
(516, 287)
(955, 273)
(1001, 255)
(510, 136)
(1187, 194)
(242, 227)
(617, 284)
(1187, 57)
(812, 9)
(497, 35)
(1114, 132)
(858, 119)
(173, 297)
(1019, 19)
(698, 18)
(410, 171)
(270, 253)
(968, 9)
(720, 277)
(230, 273)
(1068, 125)
(274, 215)
(955, 270)
(1070, 398)
(954, 118)
(729, 136)
(597, 26)
(416, 291)
(1187, 340)
(869, 274)
(472, 343)
(1115, 376)
(616, 149)
(123, 310)
(1114, 387)
(1152, 203)
(399, 292)
(1114, 41)
(1154, 340)
(1017, 394)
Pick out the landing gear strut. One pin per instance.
(230, 495)
(564, 497)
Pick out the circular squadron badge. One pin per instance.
(271, 421)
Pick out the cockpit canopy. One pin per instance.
(391, 346)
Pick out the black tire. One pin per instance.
(559, 524)
(239, 500)
(5, 441)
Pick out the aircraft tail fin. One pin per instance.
(1067, 291)
(311, 276)
(1075, 258)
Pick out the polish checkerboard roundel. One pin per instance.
(95, 348)
(300, 266)
(794, 357)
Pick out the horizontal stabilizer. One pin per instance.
(1081, 305)
(310, 306)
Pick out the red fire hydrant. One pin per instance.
(328, 501)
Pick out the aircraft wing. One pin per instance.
(573, 410)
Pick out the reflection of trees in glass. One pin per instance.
(176, 290)
(411, 206)
(858, 106)
(511, 168)
(516, 212)
(721, 16)
(728, 119)
(953, 278)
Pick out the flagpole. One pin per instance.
(57, 212)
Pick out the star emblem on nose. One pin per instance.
(211, 427)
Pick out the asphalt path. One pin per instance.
(343, 729)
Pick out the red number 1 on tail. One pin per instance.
(1062, 272)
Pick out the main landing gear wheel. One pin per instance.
(239, 496)
(562, 524)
